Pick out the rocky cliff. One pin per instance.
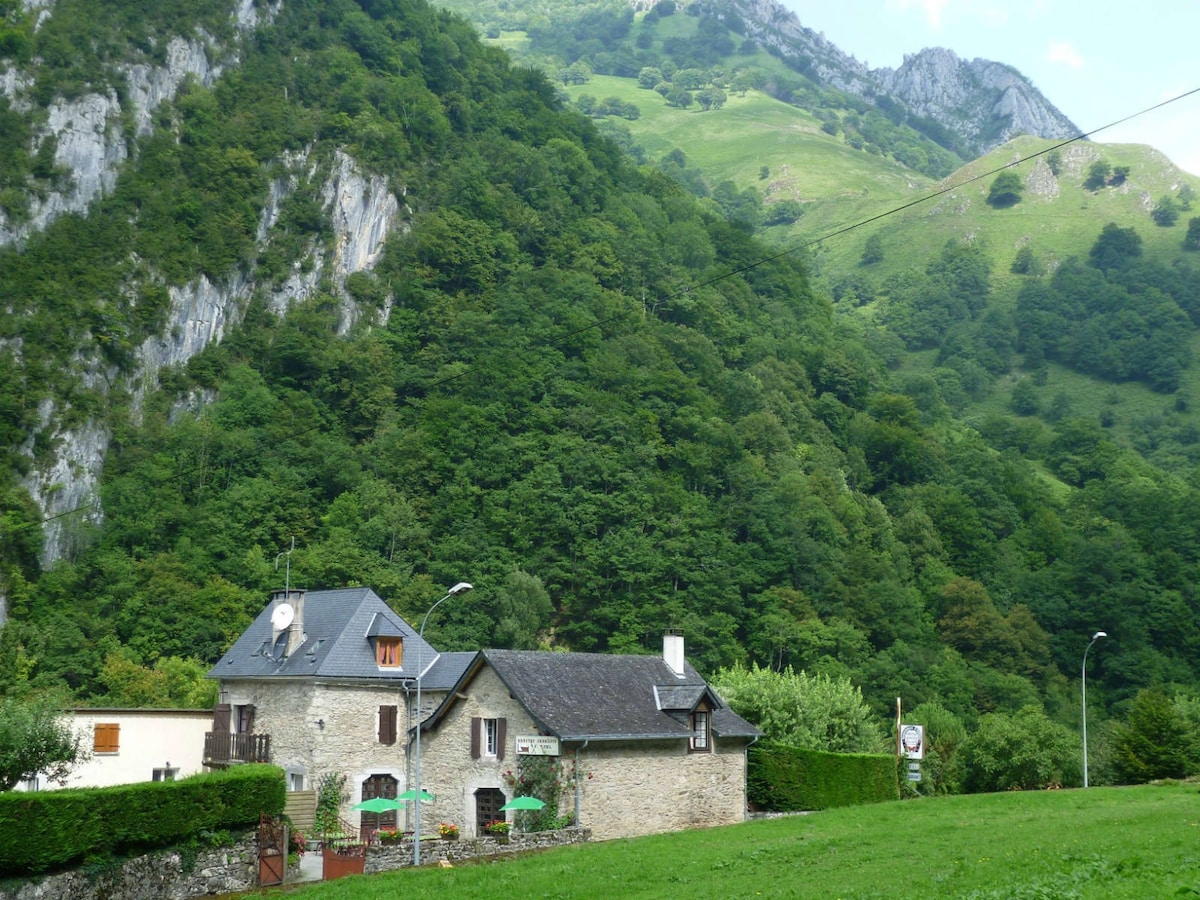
(984, 103)
(95, 134)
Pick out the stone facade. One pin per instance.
(645, 787)
(447, 769)
(156, 876)
(318, 728)
(624, 788)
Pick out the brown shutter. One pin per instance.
(221, 714)
(500, 732)
(387, 724)
(249, 718)
(476, 728)
(106, 737)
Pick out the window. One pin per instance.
(387, 724)
(487, 738)
(106, 738)
(700, 730)
(388, 652)
(165, 774)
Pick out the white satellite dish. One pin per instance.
(282, 615)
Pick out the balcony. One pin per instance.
(224, 748)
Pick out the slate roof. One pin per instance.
(598, 696)
(338, 627)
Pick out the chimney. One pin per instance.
(673, 650)
(294, 597)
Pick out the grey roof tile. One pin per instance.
(597, 696)
(338, 626)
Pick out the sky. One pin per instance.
(1097, 62)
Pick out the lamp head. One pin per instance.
(459, 588)
(1099, 634)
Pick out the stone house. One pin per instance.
(642, 743)
(325, 682)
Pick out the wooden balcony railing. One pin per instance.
(223, 748)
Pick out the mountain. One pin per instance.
(339, 282)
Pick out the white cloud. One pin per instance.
(1062, 52)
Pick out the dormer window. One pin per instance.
(389, 652)
(701, 730)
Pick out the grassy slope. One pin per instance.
(1109, 843)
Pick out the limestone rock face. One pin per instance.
(984, 103)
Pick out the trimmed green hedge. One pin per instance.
(788, 779)
(45, 830)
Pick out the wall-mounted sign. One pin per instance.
(912, 741)
(537, 745)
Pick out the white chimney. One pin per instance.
(673, 650)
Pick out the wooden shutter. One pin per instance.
(221, 714)
(387, 724)
(248, 718)
(501, 728)
(107, 737)
(476, 730)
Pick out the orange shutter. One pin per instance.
(107, 737)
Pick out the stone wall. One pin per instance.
(157, 876)
(318, 728)
(646, 787)
(447, 769)
(385, 857)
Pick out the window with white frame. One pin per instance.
(701, 730)
(167, 773)
(491, 736)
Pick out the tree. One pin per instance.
(872, 250)
(1115, 247)
(813, 712)
(1153, 742)
(1006, 190)
(35, 737)
(1098, 174)
(522, 612)
(1166, 211)
(1021, 751)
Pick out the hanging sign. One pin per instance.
(537, 745)
(912, 741)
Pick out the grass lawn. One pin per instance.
(1109, 843)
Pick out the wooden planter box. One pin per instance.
(338, 865)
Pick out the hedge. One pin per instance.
(45, 830)
(787, 779)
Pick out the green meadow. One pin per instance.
(1109, 843)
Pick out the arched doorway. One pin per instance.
(378, 786)
(487, 807)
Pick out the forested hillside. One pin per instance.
(568, 381)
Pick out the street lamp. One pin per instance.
(1083, 693)
(459, 588)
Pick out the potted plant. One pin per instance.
(499, 828)
(390, 835)
(448, 831)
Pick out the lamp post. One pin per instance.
(459, 588)
(1083, 694)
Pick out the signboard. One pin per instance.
(912, 741)
(537, 745)
(914, 776)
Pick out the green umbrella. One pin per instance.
(523, 803)
(378, 805)
(412, 795)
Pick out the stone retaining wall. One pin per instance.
(156, 876)
(385, 857)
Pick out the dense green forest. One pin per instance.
(604, 403)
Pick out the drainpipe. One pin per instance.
(408, 751)
(578, 750)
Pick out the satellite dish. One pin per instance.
(282, 615)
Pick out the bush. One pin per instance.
(45, 830)
(781, 778)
